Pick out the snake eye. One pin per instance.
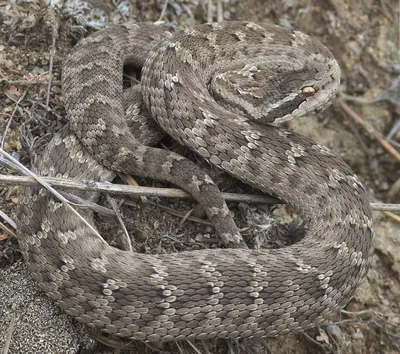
(308, 91)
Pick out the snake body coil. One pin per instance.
(211, 88)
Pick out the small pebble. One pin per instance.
(357, 335)
(56, 89)
(9, 64)
(199, 238)
(209, 229)
(334, 330)
(352, 307)
(16, 155)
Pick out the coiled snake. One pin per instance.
(213, 88)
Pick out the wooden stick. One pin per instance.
(7, 180)
(369, 129)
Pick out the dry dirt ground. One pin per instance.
(363, 35)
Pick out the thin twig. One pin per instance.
(394, 130)
(129, 180)
(38, 179)
(220, 11)
(10, 222)
(126, 190)
(8, 164)
(119, 11)
(394, 143)
(176, 213)
(116, 343)
(7, 219)
(125, 240)
(394, 189)
(354, 322)
(209, 12)
(134, 191)
(185, 217)
(174, 239)
(313, 340)
(386, 11)
(194, 347)
(46, 108)
(86, 204)
(385, 207)
(163, 11)
(358, 100)
(392, 215)
(369, 129)
(7, 233)
(31, 82)
(3, 138)
(9, 334)
(52, 53)
(358, 313)
(83, 203)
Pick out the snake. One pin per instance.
(221, 90)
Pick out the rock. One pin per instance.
(39, 325)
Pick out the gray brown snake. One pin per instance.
(210, 87)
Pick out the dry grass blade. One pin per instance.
(9, 334)
(175, 212)
(8, 220)
(51, 190)
(163, 11)
(392, 216)
(220, 11)
(56, 25)
(125, 240)
(31, 82)
(7, 232)
(6, 229)
(3, 138)
(83, 203)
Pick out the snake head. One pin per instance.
(282, 84)
(314, 95)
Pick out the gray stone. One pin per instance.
(39, 326)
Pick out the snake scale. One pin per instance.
(214, 88)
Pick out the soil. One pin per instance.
(364, 37)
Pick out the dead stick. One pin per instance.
(7, 180)
(369, 129)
